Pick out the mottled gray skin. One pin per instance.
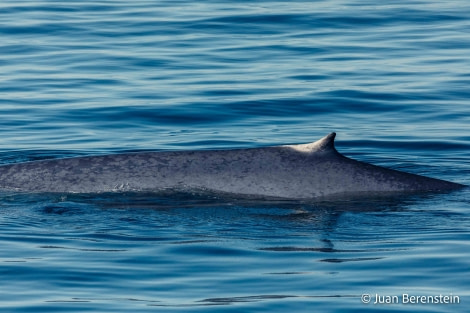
(295, 171)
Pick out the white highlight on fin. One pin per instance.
(326, 144)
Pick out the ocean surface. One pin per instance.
(392, 78)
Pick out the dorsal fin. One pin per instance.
(324, 145)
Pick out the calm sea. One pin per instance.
(392, 78)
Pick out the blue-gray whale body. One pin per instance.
(292, 171)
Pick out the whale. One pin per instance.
(301, 171)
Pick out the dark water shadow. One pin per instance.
(275, 208)
(249, 299)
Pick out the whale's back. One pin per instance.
(292, 171)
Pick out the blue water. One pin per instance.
(97, 77)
